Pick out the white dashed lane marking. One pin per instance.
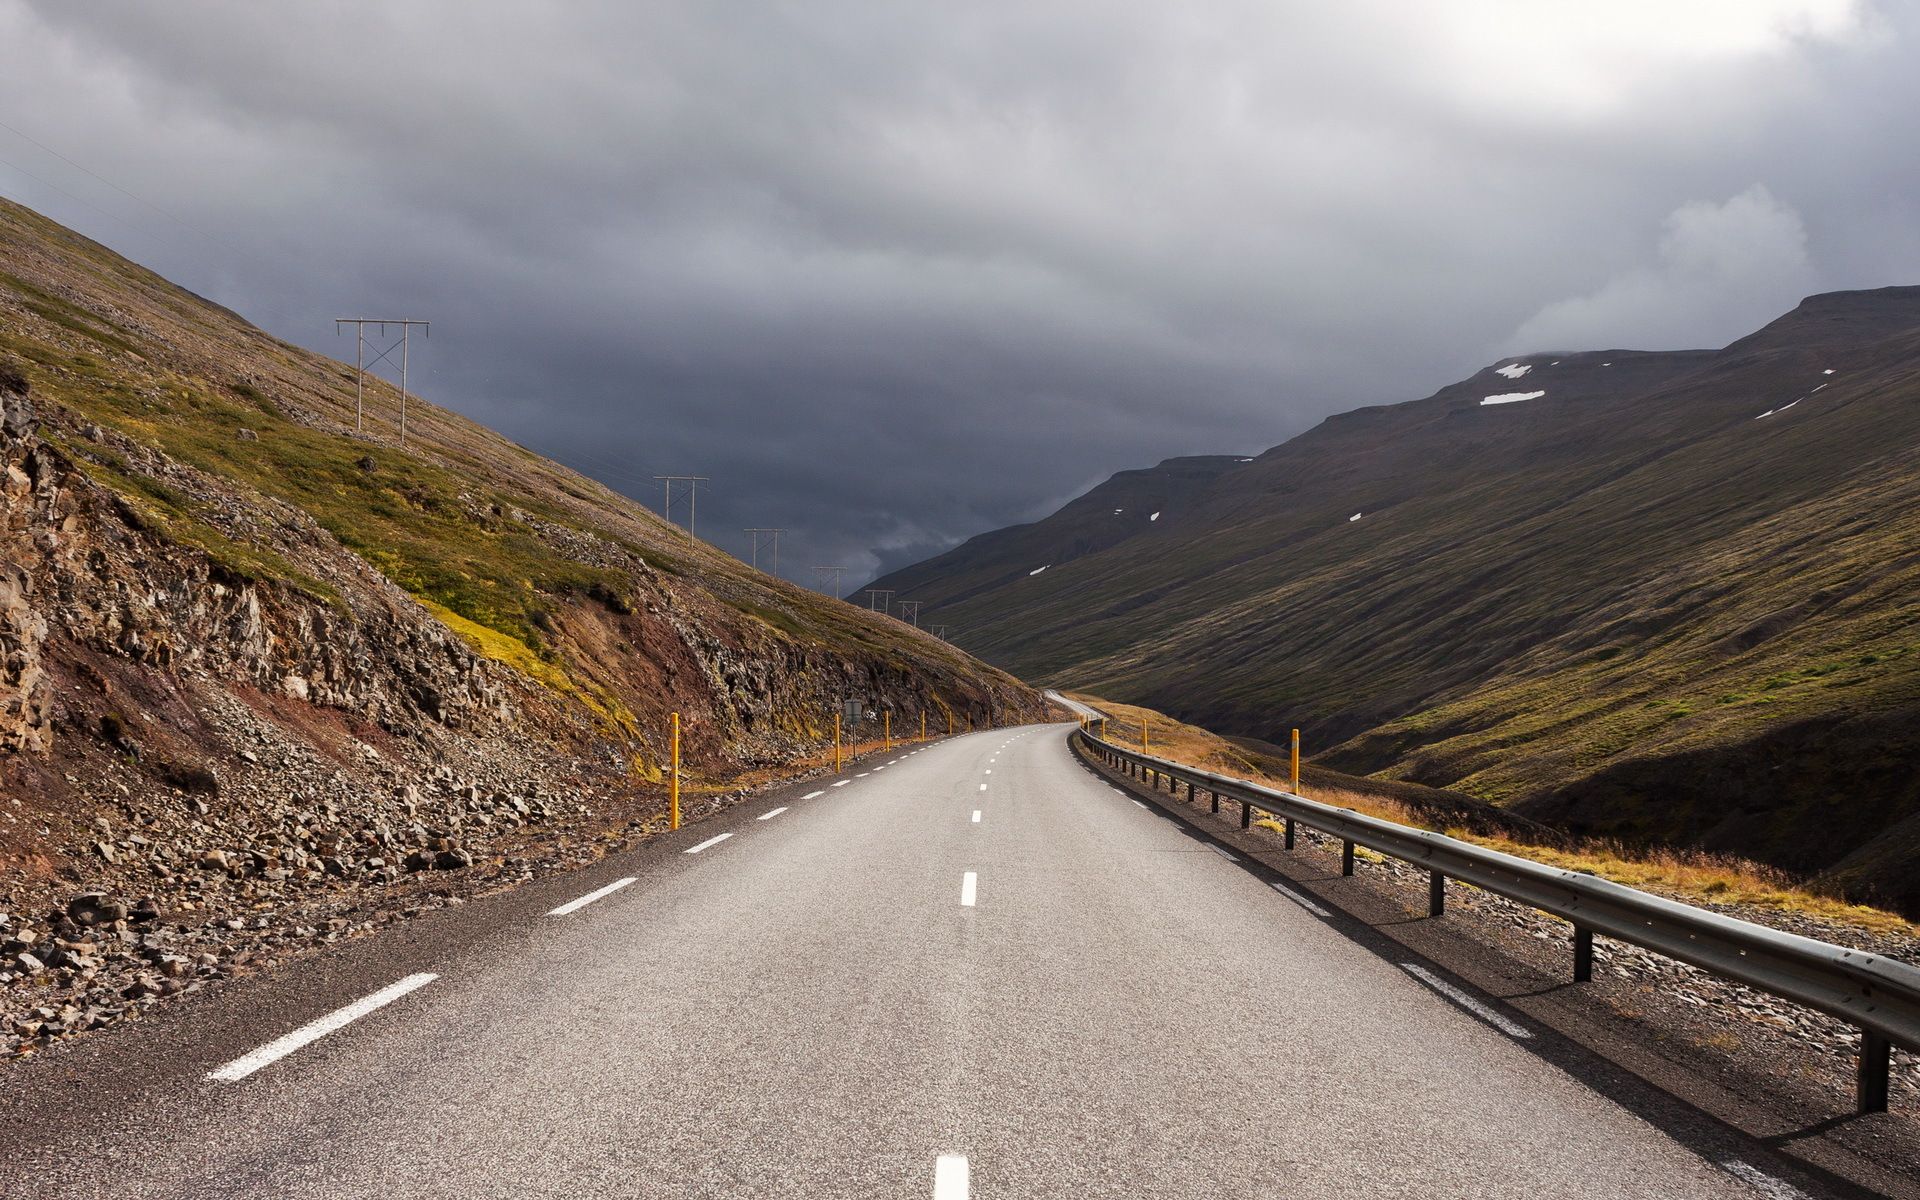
(813, 795)
(712, 841)
(950, 1177)
(976, 816)
(1510, 1028)
(968, 883)
(313, 1031)
(590, 897)
(1302, 901)
(770, 815)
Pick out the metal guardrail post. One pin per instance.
(1246, 814)
(1436, 894)
(1289, 833)
(1582, 954)
(1346, 858)
(1216, 801)
(1876, 1060)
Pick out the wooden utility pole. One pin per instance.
(755, 533)
(693, 497)
(360, 367)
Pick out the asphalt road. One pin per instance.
(978, 951)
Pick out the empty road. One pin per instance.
(974, 969)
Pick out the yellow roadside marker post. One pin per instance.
(923, 726)
(1143, 735)
(886, 732)
(674, 786)
(1296, 762)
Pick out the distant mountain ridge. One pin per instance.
(1618, 589)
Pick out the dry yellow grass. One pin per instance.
(1680, 873)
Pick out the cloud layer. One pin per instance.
(893, 275)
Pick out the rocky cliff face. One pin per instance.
(265, 684)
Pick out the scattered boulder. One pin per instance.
(95, 908)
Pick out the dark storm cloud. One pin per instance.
(892, 275)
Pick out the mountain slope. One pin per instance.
(1672, 598)
(252, 662)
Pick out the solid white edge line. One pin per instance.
(1136, 802)
(976, 816)
(968, 883)
(950, 1177)
(313, 1031)
(1760, 1181)
(768, 816)
(589, 898)
(1221, 853)
(1465, 1001)
(813, 795)
(1302, 901)
(712, 841)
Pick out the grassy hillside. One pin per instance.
(219, 439)
(1673, 598)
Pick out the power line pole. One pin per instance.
(913, 615)
(873, 600)
(360, 366)
(821, 573)
(756, 547)
(693, 483)
(940, 631)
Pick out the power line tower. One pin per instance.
(940, 631)
(756, 546)
(874, 603)
(693, 483)
(820, 574)
(360, 365)
(910, 611)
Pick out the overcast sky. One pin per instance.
(892, 274)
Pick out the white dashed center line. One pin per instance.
(813, 795)
(967, 884)
(712, 841)
(590, 897)
(1467, 1002)
(771, 815)
(313, 1031)
(976, 816)
(863, 774)
(983, 787)
(950, 1177)
(843, 783)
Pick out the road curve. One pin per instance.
(975, 969)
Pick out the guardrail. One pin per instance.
(1877, 995)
